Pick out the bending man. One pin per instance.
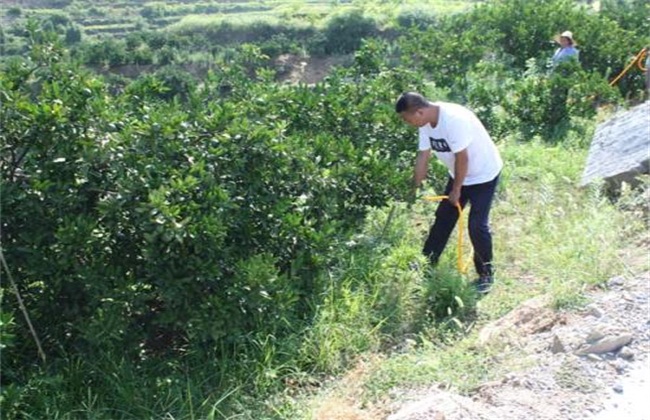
(459, 139)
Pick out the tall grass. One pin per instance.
(551, 237)
(555, 237)
(378, 298)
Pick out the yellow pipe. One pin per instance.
(637, 61)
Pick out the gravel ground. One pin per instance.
(631, 399)
(591, 364)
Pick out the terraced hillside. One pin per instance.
(104, 17)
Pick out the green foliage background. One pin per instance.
(170, 226)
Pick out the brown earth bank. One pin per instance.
(290, 68)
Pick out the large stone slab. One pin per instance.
(620, 149)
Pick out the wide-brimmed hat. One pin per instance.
(565, 34)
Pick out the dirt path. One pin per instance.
(591, 364)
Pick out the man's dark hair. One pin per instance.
(410, 101)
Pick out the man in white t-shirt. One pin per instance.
(459, 139)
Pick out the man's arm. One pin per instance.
(460, 172)
(421, 166)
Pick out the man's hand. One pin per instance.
(454, 197)
(411, 196)
(461, 162)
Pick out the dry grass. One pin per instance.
(345, 399)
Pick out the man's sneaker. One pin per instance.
(414, 266)
(483, 284)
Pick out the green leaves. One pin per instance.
(168, 213)
(169, 218)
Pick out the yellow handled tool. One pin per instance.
(638, 60)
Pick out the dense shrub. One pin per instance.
(370, 58)
(155, 40)
(631, 15)
(536, 102)
(72, 35)
(14, 12)
(59, 4)
(165, 227)
(166, 56)
(515, 31)
(59, 20)
(161, 221)
(134, 40)
(416, 18)
(144, 55)
(227, 33)
(166, 83)
(154, 10)
(345, 32)
(108, 52)
(279, 44)
(488, 84)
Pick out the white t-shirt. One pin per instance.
(458, 128)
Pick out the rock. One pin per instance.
(620, 366)
(616, 281)
(618, 388)
(619, 148)
(557, 346)
(486, 385)
(628, 297)
(409, 344)
(531, 317)
(594, 357)
(437, 405)
(594, 311)
(626, 353)
(595, 335)
(606, 344)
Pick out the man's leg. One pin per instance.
(481, 197)
(446, 218)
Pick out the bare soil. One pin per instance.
(309, 70)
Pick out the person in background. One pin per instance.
(567, 50)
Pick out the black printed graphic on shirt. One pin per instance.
(439, 145)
